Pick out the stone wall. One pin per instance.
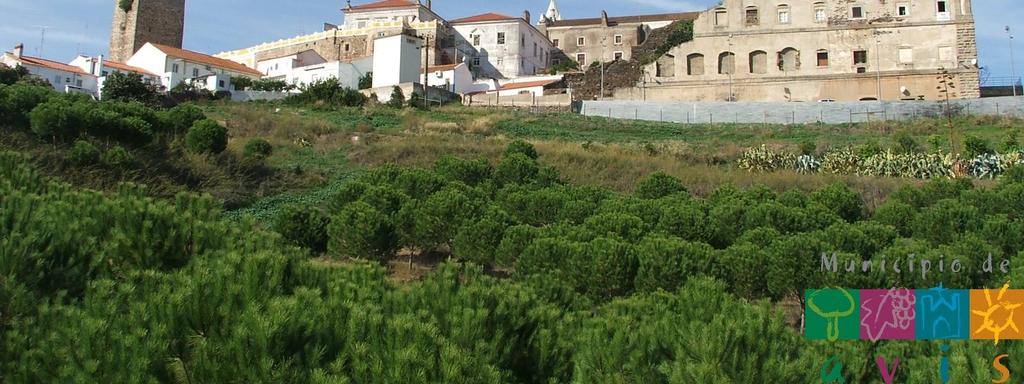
(147, 21)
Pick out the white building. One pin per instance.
(175, 65)
(388, 11)
(397, 60)
(63, 77)
(455, 78)
(502, 47)
(102, 68)
(535, 88)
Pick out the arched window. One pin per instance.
(726, 63)
(784, 14)
(751, 16)
(759, 62)
(789, 60)
(695, 64)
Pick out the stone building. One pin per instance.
(138, 22)
(602, 38)
(501, 47)
(819, 50)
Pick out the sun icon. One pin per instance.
(998, 317)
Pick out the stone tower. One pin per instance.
(137, 22)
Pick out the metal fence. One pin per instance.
(798, 113)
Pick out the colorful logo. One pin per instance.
(938, 313)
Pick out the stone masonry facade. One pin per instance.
(147, 21)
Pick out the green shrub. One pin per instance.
(84, 153)
(206, 136)
(906, 143)
(328, 92)
(666, 263)
(179, 119)
(397, 99)
(658, 185)
(516, 169)
(470, 172)
(127, 87)
(18, 100)
(366, 81)
(55, 120)
(808, 148)
(975, 146)
(258, 149)
(360, 231)
(841, 200)
(1011, 142)
(521, 147)
(9, 76)
(118, 158)
(304, 226)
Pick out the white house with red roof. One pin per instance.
(383, 13)
(455, 78)
(101, 68)
(174, 66)
(502, 47)
(63, 77)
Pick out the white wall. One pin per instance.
(458, 80)
(367, 18)
(174, 71)
(347, 73)
(154, 61)
(515, 58)
(60, 80)
(396, 60)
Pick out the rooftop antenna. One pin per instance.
(42, 39)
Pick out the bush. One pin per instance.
(17, 102)
(666, 263)
(127, 87)
(179, 119)
(257, 149)
(808, 148)
(906, 143)
(470, 172)
(206, 136)
(328, 92)
(118, 158)
(658, 185)
(84, 153)
(841, 200)
(516, 169)
(360, 231)
(521, 147)
(55, 120)
(366, 81)
(10, 75)
(241, 83)
(397, 98)
(975, 146)
(304, 226)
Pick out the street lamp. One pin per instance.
(1013, 69)
(603, 39)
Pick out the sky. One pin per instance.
(211, 26)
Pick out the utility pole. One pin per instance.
(732, 95)
(1013, 69)
(603, 39)
(878, 60)
(426, 70)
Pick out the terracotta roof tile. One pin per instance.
(382, 5)
(625, 19)
(207, 59)
(527, 84)
(52, 65)
(443, 68)
(126, 67)
(483, 18)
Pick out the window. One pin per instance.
(534, 49)
(618, 55)
(67, 79)
(941, 6)
(476, 40)
(902, 9)
(945, 54)
(752, 17)
(581, 58)
(942, 9)
(500, 61)
(783, 14)
(789, 60)
(476, 61)
(522, 39)
(906, 55)
(555, 42)
(174, 68)
(726, 63)
(106, 73)
(581, 41)
(820, 14)
(695, 64)
(758, 62)
(618, 39)
(721, 18)
(78, 83)
(220, 83)
(348, 47)
(860, 60)
(195, 72)
(665, 66)
(857, 12)
(822, 58)
(501, 38)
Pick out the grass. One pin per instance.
(321, 147)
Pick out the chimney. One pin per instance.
(429, 5)
(99, 66)
(526, 16)
(18, 49)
